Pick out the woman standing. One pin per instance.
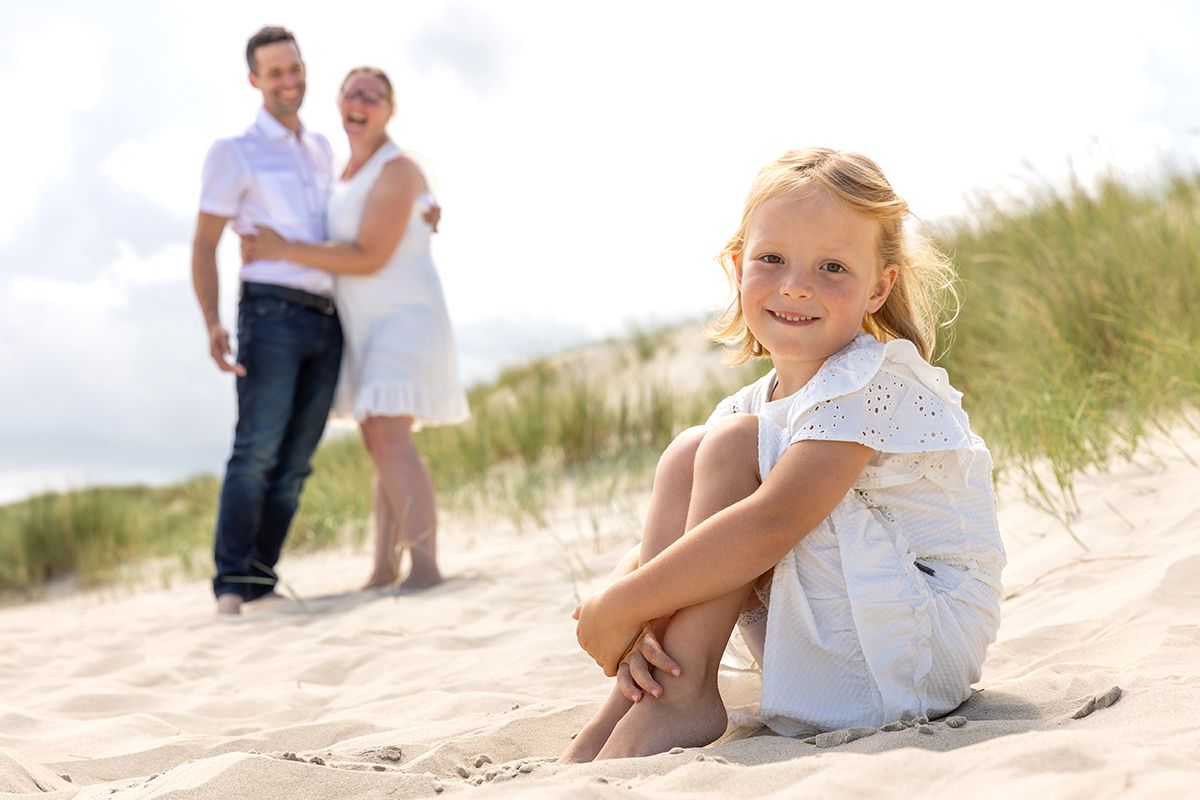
(399, 370)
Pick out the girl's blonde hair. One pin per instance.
(924, 288)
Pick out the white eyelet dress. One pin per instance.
(399, 358)
(856, 633)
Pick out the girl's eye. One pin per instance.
(772, 259)
(833, 266)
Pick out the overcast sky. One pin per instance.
(590, 159)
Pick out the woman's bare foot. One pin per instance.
(421, 579)
(685, 716)
(423, 572)
(379, 579)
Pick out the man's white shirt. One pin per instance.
(270, 176)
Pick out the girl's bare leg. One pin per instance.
(407, 489)
(665, 522)
(690, 712)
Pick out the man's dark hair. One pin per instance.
(267, 35)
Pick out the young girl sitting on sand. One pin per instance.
(839, 510)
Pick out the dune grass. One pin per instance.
(1080, 326)
(1079, 334)
(94, 533)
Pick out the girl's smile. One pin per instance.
(792, 319)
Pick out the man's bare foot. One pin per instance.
(685, 716)
(229, 604)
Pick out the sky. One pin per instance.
(590, 158)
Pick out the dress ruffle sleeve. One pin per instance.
(887, 397)
(740, 401)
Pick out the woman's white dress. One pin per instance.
(856, 634)
(399, 357)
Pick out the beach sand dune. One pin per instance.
(1092, 689)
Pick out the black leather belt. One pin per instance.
(317, 302)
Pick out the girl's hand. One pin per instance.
(602, 632)
(633, 676)
(265, 245)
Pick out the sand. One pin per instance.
(1092, 689)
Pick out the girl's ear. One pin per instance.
(883, 287)
(736, 260)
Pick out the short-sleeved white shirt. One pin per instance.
(270, 176)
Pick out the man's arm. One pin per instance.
(206, 284)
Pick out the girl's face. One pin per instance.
(364, 106)
(809, 273)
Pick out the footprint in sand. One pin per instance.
(1103, 700)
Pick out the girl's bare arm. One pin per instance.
(728, 550)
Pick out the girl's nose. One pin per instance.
(796, 283)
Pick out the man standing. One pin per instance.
(278, 174)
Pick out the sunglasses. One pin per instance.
(364, 97)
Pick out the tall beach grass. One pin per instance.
(1080, 327)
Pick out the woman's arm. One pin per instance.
(726, 551)
(385, 219)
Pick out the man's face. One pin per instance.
(280, 78)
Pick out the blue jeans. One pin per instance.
(291, 354)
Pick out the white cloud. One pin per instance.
(61, 299)
(50, 71)
(161, 168)
(110, 375)
(108, 291)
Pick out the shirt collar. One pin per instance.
(273, 128)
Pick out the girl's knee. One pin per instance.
(732, 442)
(676, 462)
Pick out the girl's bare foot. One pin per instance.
(588, 742)
(685, 716)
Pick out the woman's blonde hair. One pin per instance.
(924, 288)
